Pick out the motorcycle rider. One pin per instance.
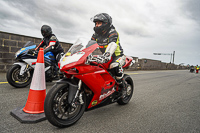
(108, 40)
(197, 68)
(52, 44)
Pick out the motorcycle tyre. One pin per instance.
(13, 83)
(48, 108)
(125, 100)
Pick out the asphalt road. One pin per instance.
(163, 102)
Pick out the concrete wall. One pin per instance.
(149, 64)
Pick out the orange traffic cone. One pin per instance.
(34, 108)
(37, 92)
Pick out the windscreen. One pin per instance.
(29, 43)
(75, 48)
(80, 44)
(90, 43)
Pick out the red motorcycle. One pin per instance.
(87, 85)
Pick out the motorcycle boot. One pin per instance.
(56, 76)
(122, 87)
(56, 73)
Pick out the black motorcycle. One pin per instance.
(21, 72)
(192, 69)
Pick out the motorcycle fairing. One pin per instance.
(79, 60)
(101, 84)
(31, 59)
(24, 49)
(96, 78)
(49, 56)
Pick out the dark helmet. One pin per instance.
(46, 30)
(106, 22)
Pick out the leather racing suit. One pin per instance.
(118, 57)
(52, 45)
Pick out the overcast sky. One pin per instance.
(144, 26)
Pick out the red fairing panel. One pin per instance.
(128, 61)
(88, 51)
(96, 78)
(101, 83)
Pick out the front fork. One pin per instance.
(24, 67)
(74, 94)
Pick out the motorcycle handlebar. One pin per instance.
(93, 60)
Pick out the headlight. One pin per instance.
(17, 53)
(70, 59)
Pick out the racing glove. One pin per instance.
(109, 52)
(100, 59)
(35, 52)
(104, 59)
